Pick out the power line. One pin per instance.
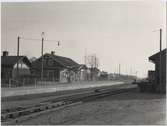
(51, 40)
(32, 39)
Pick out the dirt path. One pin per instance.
(130, 108)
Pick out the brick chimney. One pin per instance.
(5, 53)
(52, 52)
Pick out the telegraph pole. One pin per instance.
(136, 74)
(95, 61)
(42, 56)
(85, 57)
(119, 69)
(131, 71)
(18, 49)
(160, 60)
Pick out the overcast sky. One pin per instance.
(117, 32)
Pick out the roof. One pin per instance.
(156, 56)
(95, 69)
(64, 61)
(79, 67)
(82, 66)
(10, 61)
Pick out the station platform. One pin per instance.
(19, 91)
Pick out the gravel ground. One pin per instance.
(129, 108)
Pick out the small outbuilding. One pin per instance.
(159, 75)
(9, 67)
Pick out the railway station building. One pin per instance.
(59, 69)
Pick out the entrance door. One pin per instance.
(57, 75)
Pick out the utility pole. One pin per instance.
(119, 69)
(131, 71)
(18, 49)
(160, 60)
(95, 61)
(42, 56)
(85, 57)
(136, 74)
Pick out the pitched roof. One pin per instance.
(82, 66)
(64, 61)
(156, 56)
(12, 60)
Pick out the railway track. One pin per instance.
(16, 115)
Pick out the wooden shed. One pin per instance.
(159, 75)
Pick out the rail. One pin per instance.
(23, 113)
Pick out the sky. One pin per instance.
(117, 32)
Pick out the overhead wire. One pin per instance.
(39, 40)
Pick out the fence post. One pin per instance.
(9, 82)
(35, 81)
(23, 82)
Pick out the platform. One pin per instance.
(7, 92)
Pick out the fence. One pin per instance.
(27, 82)
(36, 81)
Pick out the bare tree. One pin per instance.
(92, 61)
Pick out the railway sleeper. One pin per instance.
(11, 115)
(12, 110)
(24, 112)
(49, 106)
(37, 110)
(59, 104)
(5, 116)
(43, 108)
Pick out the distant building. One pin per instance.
(82, 73)
(156, 60)
(94, 73)
(116, 76)
(77, 74)
(103, 75)
(9, 67)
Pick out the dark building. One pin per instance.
(157, 75)
(52, 66)
(9, 67)
(94, 73)
(103, 75)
